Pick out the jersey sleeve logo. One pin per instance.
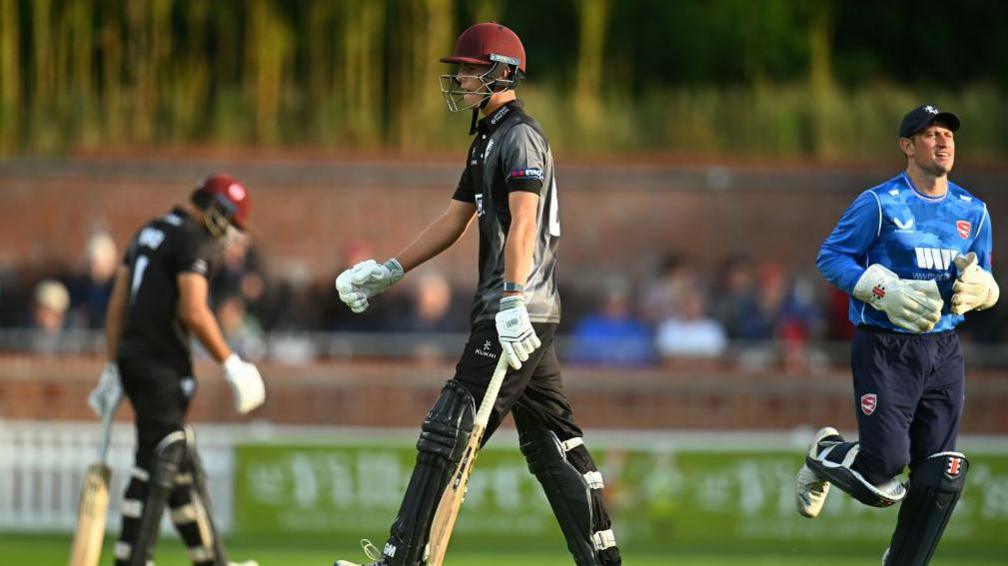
(200, 266)
(964, 228)
(527, 173)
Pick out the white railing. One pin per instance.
(42, 467)
(42, 464)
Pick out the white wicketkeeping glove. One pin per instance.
(108, 393)
(365, 280)
(975, 288)
(912, 305)
(514, 330)
(246, 383)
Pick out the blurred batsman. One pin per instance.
(508, 187)
(915, 255)
(158, 298)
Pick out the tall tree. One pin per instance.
(592, 16)
(10, 76)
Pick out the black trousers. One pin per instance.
(160, 391)
(908, 395)
(533, 393)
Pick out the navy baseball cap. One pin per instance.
(922, 117)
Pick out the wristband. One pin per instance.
(511, 287)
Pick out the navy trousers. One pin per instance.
(908, 394)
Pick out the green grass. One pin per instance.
(44, 550)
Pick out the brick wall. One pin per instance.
(399, 394)
(614, 217)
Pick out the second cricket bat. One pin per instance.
(93, 507)
(451, 500)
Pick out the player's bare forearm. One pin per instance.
(521, 236)
(197, 316)
(439, 235)
(115, 312)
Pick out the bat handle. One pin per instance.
(106, 434)
(493, 388)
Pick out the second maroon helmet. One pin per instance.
(225, 200)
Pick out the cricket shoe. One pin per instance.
(810, 490)
(245, 563)
(372, 553)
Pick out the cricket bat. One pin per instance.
(93, 508)
(451, 500)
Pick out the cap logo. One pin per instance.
(236, 192)
(930, 109)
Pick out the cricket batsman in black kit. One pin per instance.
(915, 255)
(158, 298)
(508, 187)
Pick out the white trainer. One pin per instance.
(810, 491)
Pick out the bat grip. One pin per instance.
(106, 434)
(493, 388)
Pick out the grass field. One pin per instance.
(46, 550)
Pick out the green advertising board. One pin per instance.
(702, 495)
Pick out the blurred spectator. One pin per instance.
(295, 303)
(736, 307)
(90, 291)
(612, 335)
(691, 333)
(49, 315)
(239, 273)
(662, 294)
(434, 308)
(241, 330)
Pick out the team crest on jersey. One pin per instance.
(964, 228)
(479, 206)
(868, 403)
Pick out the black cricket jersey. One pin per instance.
(162, 249)
(511, 153)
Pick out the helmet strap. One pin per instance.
(475, 115)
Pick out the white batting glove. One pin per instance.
(514, 330)
(107, 395)
(912, 305)
(246, 383)
(365, 280)
(975, 288)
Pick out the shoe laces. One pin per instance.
(370, 550)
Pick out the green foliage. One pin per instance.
(771, 78)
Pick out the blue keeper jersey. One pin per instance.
(912, 234)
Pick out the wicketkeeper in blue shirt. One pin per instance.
(915, 255)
